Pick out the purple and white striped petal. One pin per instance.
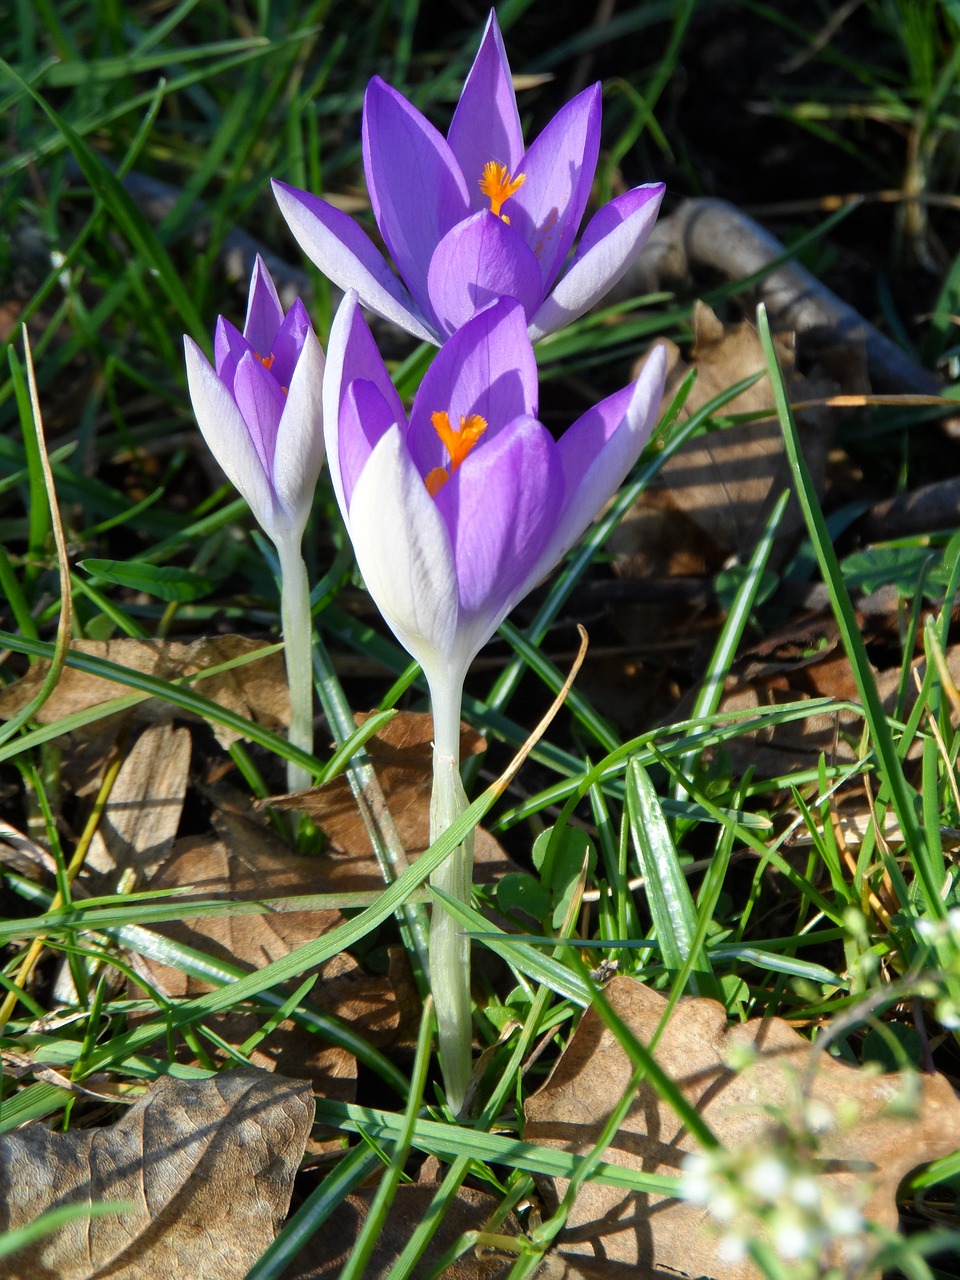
(344, 252)
(226, 434)
(558, 169)
(596, 455)
(403, 551)
(416, 187)
(486, 123)
(351, 354)
(613, 238)
(298, 454)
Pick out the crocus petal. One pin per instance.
(479, 260)
(229, 345)
(500, 508)
(347, 256)
(298, 455)
(404, 553)
(559, 168)
(365, 416)
(227, 436)
(264, 311)
(596, 455)
(486, 368)
(261, 402)
(486, 123)
(415, 184)
(613, 238)
(351, 354)
(288, 343)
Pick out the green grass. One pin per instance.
(748, 897)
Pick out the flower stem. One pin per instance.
(449, 945)
(297, 640)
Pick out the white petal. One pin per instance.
(227, 436)
(298, 456)
(404, 553)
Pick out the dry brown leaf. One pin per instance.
(253, 867)
(653, 1235)
(711, 499)
(208, 1166)
(142, 812)
(402, 754)
(257, 690)
(325, 1256)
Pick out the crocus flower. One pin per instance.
(454, 515)
(260, 411)
(476, 215)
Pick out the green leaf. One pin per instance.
(518, 891)
(166, 582)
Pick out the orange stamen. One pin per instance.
(498, 186)
(266, 361)
(457, 443)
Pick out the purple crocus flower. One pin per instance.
(457, 513)
(454, 515)
(476, 215)
(260, 407)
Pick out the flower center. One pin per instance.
(267, 362)
(498, 186)
(457, 443)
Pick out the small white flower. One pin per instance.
(767, 1178)
(793, 1240)
(731, 1248)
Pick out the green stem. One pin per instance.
(298, 643)
(449, 944)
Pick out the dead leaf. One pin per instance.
(711, 499)
(470, 1211)
(208, 1166)
(252, 868)
(257, 690)
(142, 813)
(654, 1235)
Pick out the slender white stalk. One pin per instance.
(449, 945)
(298, 645)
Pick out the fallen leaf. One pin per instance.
(252, 867)
(257, 690)
(470, 1211)
(207, 1166)
(653, 1235)
(142, 813)
(711, 499)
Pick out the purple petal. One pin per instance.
(597, 453)
(559, 168)
(500, 509)
(260, 402)
(404, 553)
(365, 416)
(264, 312)
(288, 343)
(229, 345)
(486, 123)
(415, 184)
(351, 355)
(476, 262)
(613, 238)
(486, 368)
(347, 256)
